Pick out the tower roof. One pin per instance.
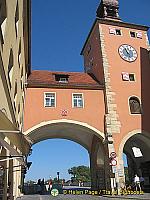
(108, 9)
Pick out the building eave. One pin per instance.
(64, 86)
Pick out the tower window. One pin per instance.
(77, 100)
(115, 31)
(132, 34)
(118, 32)
(136, 34)
(131, 77)
(50, 100)
(135, 106)
(128, 77)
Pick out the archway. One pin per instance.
(88, 137)
(59, 155)
(136, 147)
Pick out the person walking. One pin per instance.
(142, 182)
(50, 184)
(137, 182)
(39, 186)
(42, 186)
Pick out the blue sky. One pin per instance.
(54, 155)
(59, 30)
(60, 27)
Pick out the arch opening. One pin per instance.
(56, 155)
(79, 133)
(137, 160)
(76, 131)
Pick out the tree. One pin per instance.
(80, 173)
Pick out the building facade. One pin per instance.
(14, 69)
(106, 108)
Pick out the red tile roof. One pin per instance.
(75, 80)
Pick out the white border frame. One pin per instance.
(44, 99)
(82, 99)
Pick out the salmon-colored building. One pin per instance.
(105, 108)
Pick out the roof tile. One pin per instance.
(48, 78)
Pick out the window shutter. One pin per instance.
(139, 34)
(112, 30)
(125, 76)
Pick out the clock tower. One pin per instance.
(116, 54)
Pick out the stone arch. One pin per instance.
(82, 133)
(84, 127)
(128, 136)
(124, 140)
(139, 140)
(66, 121)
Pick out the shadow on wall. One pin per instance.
(145, 89)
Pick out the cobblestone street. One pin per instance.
(82, 197)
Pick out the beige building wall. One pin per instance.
(14, 69)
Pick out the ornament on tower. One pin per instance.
(108, 9)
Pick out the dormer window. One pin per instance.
(62, 78)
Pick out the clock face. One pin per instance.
(127, 52)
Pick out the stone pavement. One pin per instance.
(84, 197)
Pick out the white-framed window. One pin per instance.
(77, 100)
(128, 76)
(115, 31)
(63, 80)
(49, 99)
(134, 34)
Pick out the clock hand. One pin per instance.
(127, 50)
